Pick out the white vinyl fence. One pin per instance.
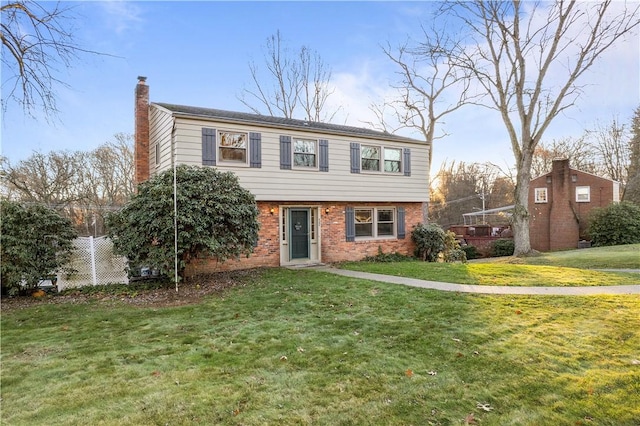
(95, 263)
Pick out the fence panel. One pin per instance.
(95, 263)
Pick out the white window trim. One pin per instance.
(587, 193)
(374, 226)
(293, 154)
(381, 160)
(539, 200)
(384, 160)
(219, 158)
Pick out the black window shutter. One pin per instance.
(350, 223)
(407, 162)
(285, 152)
(355, 157)
(255, 153)
(208, 147)
(324, 155)
(401, 225)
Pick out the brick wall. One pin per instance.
(562, 222)
(334, 247)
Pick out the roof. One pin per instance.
(281, 122)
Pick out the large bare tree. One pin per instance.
(296, 84)
(430, 87)
(528, 59)
(38, 41)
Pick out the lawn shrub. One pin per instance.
(471, 252)
(36, 242)
(502, 247)
(616, 224)
(452, 251)
(429, 240)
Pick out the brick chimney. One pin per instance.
(563, 224)
(141, 148)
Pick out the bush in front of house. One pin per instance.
(616, 224)
(36, 242)
(216, 217)
(429, 240)
(452, 251)
(502, 247)
(471, 252)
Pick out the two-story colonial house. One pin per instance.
(325, 192)
(560, 202)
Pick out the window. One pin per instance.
(541, 195)
(392, 160)
(233, 147)
(305, 153)
(364, 223)
(157, 154)
(374, 222)
(583, 194)
(385, 222)
(370, 159)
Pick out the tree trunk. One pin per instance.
(521, 210)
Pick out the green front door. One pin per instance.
(299, 222)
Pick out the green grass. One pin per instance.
(567, 268)
(357, 353)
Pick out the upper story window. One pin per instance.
(583, 194)
(305, 153)
(370, 158)
(374, 222)
(392, 160)
(541, 195)
(233, 147)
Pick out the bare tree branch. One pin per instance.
(296, 85)
(37, 43)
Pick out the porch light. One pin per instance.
(548, 179)
(272, 211)
(326, 211)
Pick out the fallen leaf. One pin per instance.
(459, 355)
(476, 353)
(283, 358)
(432, 373)
(485, 407)
(236, 411)
(409, 372)
(155, 373)
(518, 312)
(300, 349)
(469, 420)
(635, 362)
(456, 340)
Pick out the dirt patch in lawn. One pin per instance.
(139, 293)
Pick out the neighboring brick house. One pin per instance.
(560, 202)
(325, 193)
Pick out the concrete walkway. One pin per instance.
(485, 289)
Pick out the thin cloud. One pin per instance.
(122, 16)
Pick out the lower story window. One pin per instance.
(375, 222)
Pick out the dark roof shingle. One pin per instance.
(280, 121)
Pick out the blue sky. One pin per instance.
(197, 53)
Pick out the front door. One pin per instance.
(299, 233)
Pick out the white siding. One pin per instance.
(160, 129)
(338, 184)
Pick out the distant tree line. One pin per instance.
(81, 186)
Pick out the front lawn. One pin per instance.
(566, 268)
(306, 347)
